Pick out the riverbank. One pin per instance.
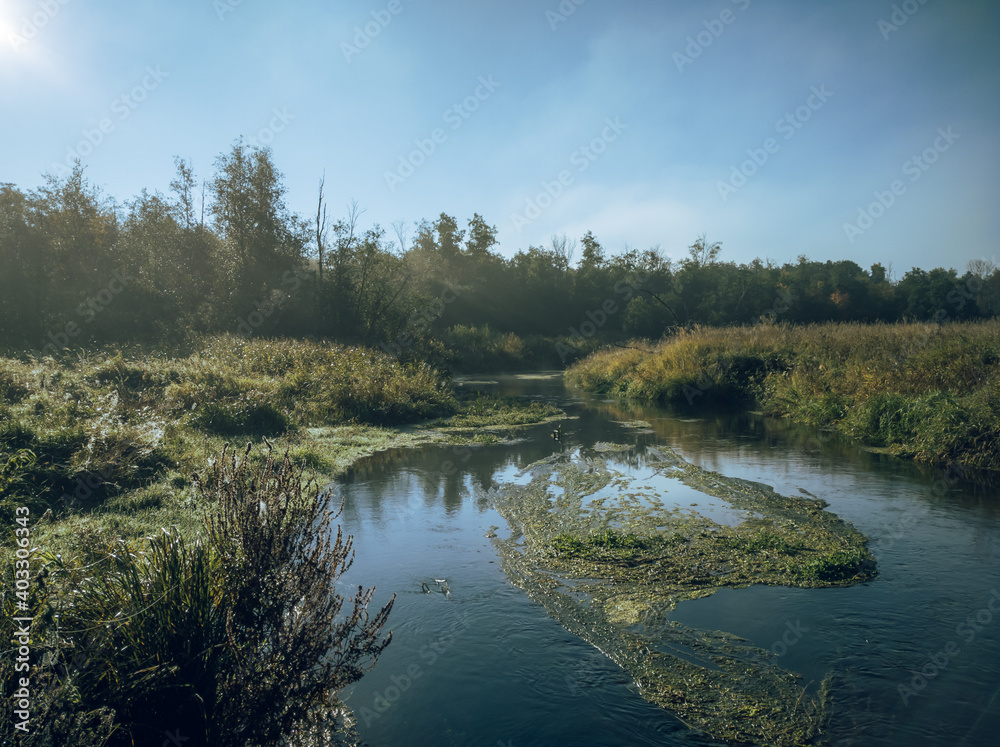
(98, 453)
(930, 392)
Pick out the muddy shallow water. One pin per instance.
(914, 653)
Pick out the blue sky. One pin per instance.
(778, 128)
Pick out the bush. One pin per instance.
(238, 638)
(245, 416)
(925, 391)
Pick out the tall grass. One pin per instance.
(927, 391)
(102, 422)
(240, 637)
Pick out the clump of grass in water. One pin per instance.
(839, 565)
(498, 410)
(624, 582)
(568, 546)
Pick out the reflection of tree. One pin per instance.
(441, 475)
(710, 436)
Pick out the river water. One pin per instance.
(915, 652)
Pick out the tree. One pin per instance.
(261, 236)
(704, 254)
(481, 237)
(183, 186)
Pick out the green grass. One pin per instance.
(837, 566)
(477, 410)
(100, 447)
(929, 392)
(233, 638)
(104, 423)
(600, 545)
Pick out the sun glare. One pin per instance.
(26, 40)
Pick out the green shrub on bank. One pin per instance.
(235, 638)
(931, 392)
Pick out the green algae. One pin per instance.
(610, 560)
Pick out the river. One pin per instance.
(474, 661)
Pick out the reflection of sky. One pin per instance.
(636, 485)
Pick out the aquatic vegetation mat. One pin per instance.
(609, 553)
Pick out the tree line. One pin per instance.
(227, 255)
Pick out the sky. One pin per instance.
(856, 129)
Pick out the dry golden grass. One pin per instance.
(923, 390)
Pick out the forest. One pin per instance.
(81, 268)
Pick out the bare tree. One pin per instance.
(564, 247)
(399, 228)
(320, 225)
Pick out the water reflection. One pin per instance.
(517, 676)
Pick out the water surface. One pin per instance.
(475, 662)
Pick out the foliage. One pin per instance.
(236, 638)
(926, 391)
(80, 269)
(296, 643)
(478, 410)
(837, 566)
(110, 422)
(598, 545)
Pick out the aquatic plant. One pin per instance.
(610, 569)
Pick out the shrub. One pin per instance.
(245, 416)
(238, 638)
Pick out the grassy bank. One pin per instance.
(133, 427)
(926, 391)
(98, 457)
(477, 349)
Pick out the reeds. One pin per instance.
(927, 391)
